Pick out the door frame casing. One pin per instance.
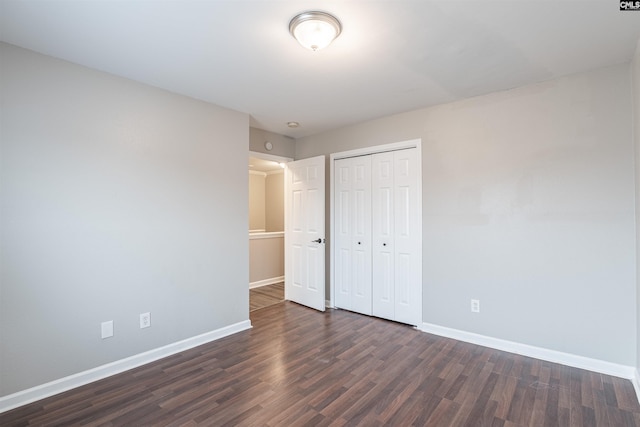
(412, 143)
(268, 156)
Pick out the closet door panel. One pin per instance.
(342, 224)
(406, 237)
(353, 233)
(361, 236)
(383, 236)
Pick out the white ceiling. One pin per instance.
(263, 165)
(392, 56)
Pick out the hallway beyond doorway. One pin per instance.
(265, 296)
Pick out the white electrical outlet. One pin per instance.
(107, 329)
(145, 320)
(475, 305)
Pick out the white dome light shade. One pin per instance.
(315, 30)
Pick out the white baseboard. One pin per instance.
(636, 383)
(266, 282)
(595, 365)
(81, 378)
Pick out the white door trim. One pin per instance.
(413, 143)
(273, 157)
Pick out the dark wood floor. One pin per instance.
(264, 296)
(298, 367)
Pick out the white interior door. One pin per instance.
(304, 232)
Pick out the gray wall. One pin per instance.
(528, 206)
(274, 201)
(266, 201)
(266, 258)
(257, 201)
(282, 145)
(114, 202)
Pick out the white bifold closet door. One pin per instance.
(376, 218)
(353, 233)
(395, 251)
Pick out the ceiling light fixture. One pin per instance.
(293, 124)
(315, 30)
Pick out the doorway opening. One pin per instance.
(266, 229)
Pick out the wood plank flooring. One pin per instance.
(299, 367)
(264, 296)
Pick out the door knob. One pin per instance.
(384, 244)
(318, 240)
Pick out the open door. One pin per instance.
(304, 237)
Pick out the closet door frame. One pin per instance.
(414, 143)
